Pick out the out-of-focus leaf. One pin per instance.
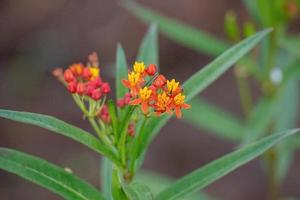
(291, 44)
(121, 72)
(47, 175)
(106, 178)
(259, 120)
(138, 191)
(218, 122)
(251, 6)
(179, 32)
(148, 51)
(157, 183)
(288, 111)
(213, 171)
(200, 80)
(62, 128)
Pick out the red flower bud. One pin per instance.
(120, 103)
(151, 70)
(105, 88)
(159, 81)
(131, 129)
(72, 87)
(86, 73)
(127, 98)
(96, 94)
(80, 88)
(68, 76)
(97, 82)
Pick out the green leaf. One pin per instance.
(291, 44)
(286, 118)
(148, 51)
(60, 127)
(114, 120)
(138, 191)
(179, 32)
(206, 175)
(202, 79)
(121, 72)
(211, 72)
(259, 120)
(47, 175)
(252, 8)
(157, 183)
(106, 178)
(204, 115)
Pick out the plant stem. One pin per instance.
(274, 185)
(244, 90)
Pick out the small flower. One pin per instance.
(72, 87)
(133, 83)
(96, 94)
(151, 70)
(162, 104)
(95, 71)
(131, 129)
(80, 89)
(139, 67)
(144, 97)
(105, 88)
(104, 114)
(172, 86)
(160, 81)
(77, 69)
(69, 76)
(179, 104)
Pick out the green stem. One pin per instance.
(101, 134)
(244, 90)
(274, 185)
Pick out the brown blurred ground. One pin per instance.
(36, 36)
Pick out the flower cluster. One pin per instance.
(85, 80)
(157, 93)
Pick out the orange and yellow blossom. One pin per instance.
(144, 99)
(133, 83)
(178, 104)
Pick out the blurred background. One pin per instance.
(37, 36)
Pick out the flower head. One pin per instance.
(158, 95)
(139, 67)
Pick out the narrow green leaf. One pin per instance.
(138, 191)
(47, 175)
(148, 51)
(291, 44)
(113, 115)
(204, 115)
(106, 178)
(179, 32)
(121, 72)
(157, 183)
(259, 120)
(202, 79)
(60, 127)
(286, 118)
(251, 6)
(206, 175)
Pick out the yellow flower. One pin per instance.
(139, 67)
(145, 93)
(95, 71)
(179, 99)
(162, 101)
(133, 78)
(172, 85)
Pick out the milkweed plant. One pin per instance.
(145, 100)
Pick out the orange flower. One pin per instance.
(173, 87)
(144, 98)
(162, 104)
(178, 103)
(134, 83)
